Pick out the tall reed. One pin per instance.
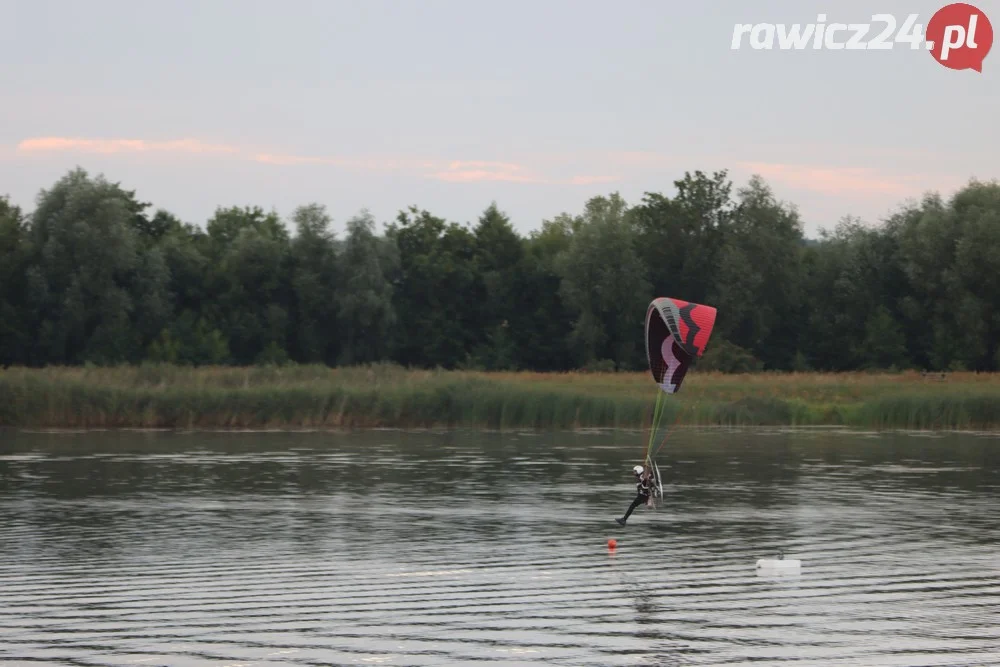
(163, 396)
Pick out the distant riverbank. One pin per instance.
(159, 396)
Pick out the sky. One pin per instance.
(450, 105)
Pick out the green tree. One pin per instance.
(229, 223)
(251, 273)
(679, 239)
(977, 269)
(364, 300)
(883, 345)
(950, 253)
(435, 298)
(757, 284)
(840, 297)
(86, 254)
(90, 276)
(604, 285)
(315, 279)
(499, 255)
(15, 331)
(541, 325)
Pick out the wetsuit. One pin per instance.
(644, 489)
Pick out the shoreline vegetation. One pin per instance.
(96, 275)
(161, 396)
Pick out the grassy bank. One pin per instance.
(318, 397)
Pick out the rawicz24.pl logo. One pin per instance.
(958, 36)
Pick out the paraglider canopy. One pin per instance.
(676, 332)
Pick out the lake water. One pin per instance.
(402, 548)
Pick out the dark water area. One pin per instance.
(422, 548)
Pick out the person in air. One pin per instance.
(644, 487)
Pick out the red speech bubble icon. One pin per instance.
(959, 36)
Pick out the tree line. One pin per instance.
(93, 275)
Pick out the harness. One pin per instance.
(645, 486)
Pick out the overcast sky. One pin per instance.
(451, 104)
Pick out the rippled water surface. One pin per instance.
(431, 548)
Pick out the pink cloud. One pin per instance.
(832, 180)
(479, 171)
(456, 171)
(473, 171)
(69, 144)
(483, 164)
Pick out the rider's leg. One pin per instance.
(639, 499)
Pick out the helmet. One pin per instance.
(637, 470)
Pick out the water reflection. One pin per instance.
(443, 548)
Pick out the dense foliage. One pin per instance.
(92, 275)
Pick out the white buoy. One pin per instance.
(779, 566)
